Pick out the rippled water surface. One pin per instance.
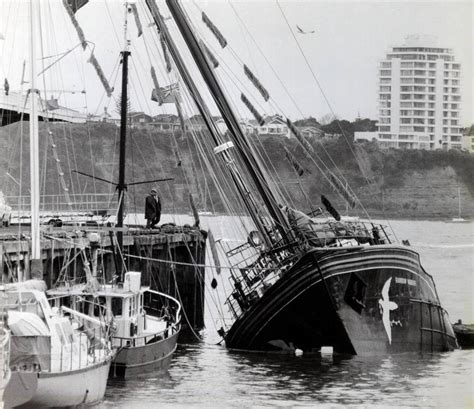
(207, 375)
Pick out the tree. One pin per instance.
(118, 105)
(310, 121)
(327, 119)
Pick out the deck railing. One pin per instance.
(80, 202)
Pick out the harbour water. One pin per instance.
(204, 374)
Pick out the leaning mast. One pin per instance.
(236, 134)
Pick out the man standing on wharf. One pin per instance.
(152, 209)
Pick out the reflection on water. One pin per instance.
(207, 375)
(211, 376)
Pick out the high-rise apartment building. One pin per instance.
(419, 97)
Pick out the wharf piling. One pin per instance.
(170, 258)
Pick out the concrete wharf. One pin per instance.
(171, 258)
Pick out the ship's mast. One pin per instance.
(121, 186)
(36, 262)
(222, 147)
(246, 153)
(244, 149)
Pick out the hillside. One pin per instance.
(401, 184)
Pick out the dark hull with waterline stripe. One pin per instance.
(359, 300)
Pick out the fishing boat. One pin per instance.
(301, 283)
(146, 323)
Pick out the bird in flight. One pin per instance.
(301, 31)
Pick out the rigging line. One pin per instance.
(267, 61)
(116, 67)
(321, 144)
(21, 175)
(15, 24)
(182, 263)
(202, 280)
(322, 92)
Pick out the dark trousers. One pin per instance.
(150, 223)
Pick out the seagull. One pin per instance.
(301, 31)
(387, 306)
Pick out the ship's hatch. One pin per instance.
(355, 293)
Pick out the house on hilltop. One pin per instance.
(274, 126)
(139, 119)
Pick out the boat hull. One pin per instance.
(84, 386)
(156, 356)
(365, 301)
(20, 388)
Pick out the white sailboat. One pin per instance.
(4, 360)
(70, 362)
(54, 346)
(459, 218)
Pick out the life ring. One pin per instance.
(255, 238)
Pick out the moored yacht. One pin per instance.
(70, 361)
(146, 323)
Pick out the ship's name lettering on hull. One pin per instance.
(402, 280)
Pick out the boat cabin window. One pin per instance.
(132, 306)
(116, 306)
(99, 306)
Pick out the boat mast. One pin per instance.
(121, 186)
(245, 150)
(459, 202)
(241, 186)
(36, 262)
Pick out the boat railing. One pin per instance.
(122, 342)
(342, 233)
(95, 203)
(32, 353)
(4, 356)
(176, 308)
(251, 281)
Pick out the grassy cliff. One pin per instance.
(394, 183)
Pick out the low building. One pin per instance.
(311, 131)
(274, 126)
(14, 107)
(139, 119)
(247, 127)
(166, 123)
(397, 141)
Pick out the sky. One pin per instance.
(333, 70)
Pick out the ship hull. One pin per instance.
(84, 386)
(152, 357)
(364, 300)
(20, 388)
